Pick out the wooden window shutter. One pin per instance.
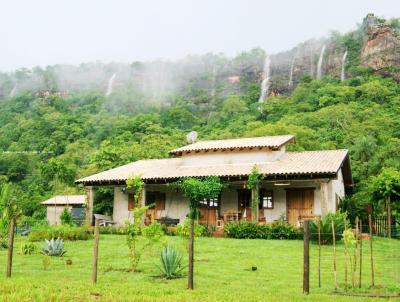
(160, 201)
(131, 202)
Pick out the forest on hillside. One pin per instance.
(52, 134)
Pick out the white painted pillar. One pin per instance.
(324, 198)
(89, 205)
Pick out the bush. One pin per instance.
(64, 232)
(27, 248)
(66, 217)
(340, 222)
(251, 230)
(183, 230)
(113, 230)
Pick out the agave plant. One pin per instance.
(53, 247)
(171, 263)
(28, 248)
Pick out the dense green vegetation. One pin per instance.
(48, 142)
(223, 269)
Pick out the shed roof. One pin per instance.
(291, 163)
(65, 199)
(237, 143)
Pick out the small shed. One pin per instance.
(56, 205)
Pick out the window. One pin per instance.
(209, 203)
(267, 199)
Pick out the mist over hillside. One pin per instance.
(375, 45)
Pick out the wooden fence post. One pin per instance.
(191, 254)
(319, 252)
(361, 241)
(372, 255)
(389, 217)
(10, 247)
(95, 250)
(354, 281)
(334, 255)
(306, 269)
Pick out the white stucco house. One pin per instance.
(296, 185)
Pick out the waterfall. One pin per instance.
(266, 80)
(320, 61)
(13, 91)
(290, 84)
(110, 84)
(343, 75)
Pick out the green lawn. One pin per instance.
(222, 273)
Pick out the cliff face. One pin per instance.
(381, 50)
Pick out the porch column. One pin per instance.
(143, 201)
(324, 198)
(89, 205)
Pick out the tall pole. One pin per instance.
(319, 252)
(10, 247)
(334, 255)
(191, 253)
(372, 255)
(306, 269)
(389, 217)
(361, 241)
(95, 251)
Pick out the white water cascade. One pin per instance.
(110, 84)
(320, 61)
(266, 80)
(290, 84)
(13, 91)
(342, 74)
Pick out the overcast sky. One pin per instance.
(43, 32)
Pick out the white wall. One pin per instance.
(120, 210)
(53, 214)
(229, 157)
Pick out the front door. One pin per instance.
(299, 205)
(208, 211)
(244, 203)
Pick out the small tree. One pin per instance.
(383, 188)
(150, 235)
(66, 217)
(196, 190)
(253, 184)
(10, 213)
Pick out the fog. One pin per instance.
(46, 32)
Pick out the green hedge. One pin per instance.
(251, 230)
(63, 232)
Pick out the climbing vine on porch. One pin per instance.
(253, 183)
(135, 183)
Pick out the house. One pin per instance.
(296, 185)
(56, 205)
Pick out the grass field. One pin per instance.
(222, 273)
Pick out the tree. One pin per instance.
(253, 184)
(196, 190)
(10, 212)
(385, 186)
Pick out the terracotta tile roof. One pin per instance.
(249, 142)
(65, 199)
(291, 163)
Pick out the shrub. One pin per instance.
(113, 230)
(64, 232)
(27, 248)
(340, 222)
(53, 247)
(66, 217)
(183, 230)
(251, 230)
(171, 263)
